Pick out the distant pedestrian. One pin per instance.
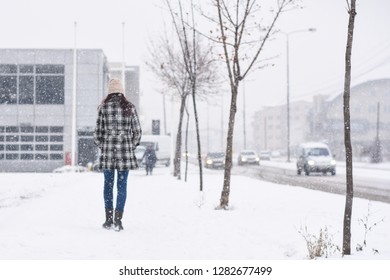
(117, 134)
(150, 159)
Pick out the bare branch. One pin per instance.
(227, 60)
(281, 7)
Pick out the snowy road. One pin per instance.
(369, 183)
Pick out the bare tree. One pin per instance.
(178, 70)
(347, 131)
(167, 64)
(199, 64)
(243, 37)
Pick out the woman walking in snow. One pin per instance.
(117, 134)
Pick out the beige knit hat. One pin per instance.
(115, 86)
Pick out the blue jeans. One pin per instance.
(109, 189)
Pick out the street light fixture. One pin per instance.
(287, 34)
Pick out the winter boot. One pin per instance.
(109, 222)
(118, 220)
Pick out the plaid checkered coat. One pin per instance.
(117, 135)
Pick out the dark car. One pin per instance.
(215, 160)
(248, 157)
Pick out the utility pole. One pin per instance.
(123, 58)
(377, 151)
(74, 100)
(165, 115)
(287, 34)
(265, 133)
(377, 121)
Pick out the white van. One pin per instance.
(315, 157)
(161, 144)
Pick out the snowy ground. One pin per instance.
(59, 216)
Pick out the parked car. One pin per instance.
(315, 157)
(265, 155)
(215, 160)
(248, 157)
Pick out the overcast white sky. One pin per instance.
(316, 59)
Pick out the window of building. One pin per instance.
(26, 69)
(41, 138)
(42, 129)
(8, 68)
(27, 138)
(8, 89)
(27, 156)
(56, 138)
(56, 129)
(27, 129)
(29, 84)
(12, 156)
(12, 129)
(50, 69)
(41, 156)
(26, 90)
(26, 147)
(56, 157)
(41, 147)
(56, 147)
(49, 90)
(12, 147)
(12, 138)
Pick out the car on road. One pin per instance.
(248, 157)
(215, 160)
(265, 155)
(315, 157)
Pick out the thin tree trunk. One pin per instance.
(186, 145)
(194, 77)
(177, 159)
(347, 134)
(198, 141)
(224, 202)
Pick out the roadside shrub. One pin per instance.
(321, 245)
(368, 227)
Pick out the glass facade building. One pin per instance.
(36, 88)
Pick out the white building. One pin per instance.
(364, 101)
(36, 87)
(270, 126)
(131, 81)
(323, 120)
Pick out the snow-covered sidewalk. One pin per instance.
(59, 216)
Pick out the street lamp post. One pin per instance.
(287, 34)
